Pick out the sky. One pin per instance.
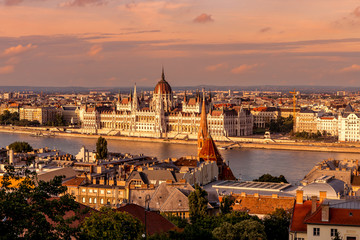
(117, 43)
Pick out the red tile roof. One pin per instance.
(155, 223)
(74, 182)
(216, 113)
(82, 213)
(338, 216)
(262, 204)
(299, 215)
(260, 109)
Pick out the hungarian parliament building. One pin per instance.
(161, 117)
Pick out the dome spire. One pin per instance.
(162, 74)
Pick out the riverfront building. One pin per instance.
(163, 117)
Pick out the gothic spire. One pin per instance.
(162, 74)
(203, 130)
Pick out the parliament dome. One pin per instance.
(162, 86)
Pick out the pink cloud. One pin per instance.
(216, 67)
(83, 3)
(203, 18)
(18, 49)
(265, 29)
(243, 68)
(12, 2)
(356, 12)
(352, 68)
(95, 50)
(7, 69)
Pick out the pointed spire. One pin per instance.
(162, 74)
(203, 130)
(135, 99)
(185, 96)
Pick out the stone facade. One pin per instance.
(161, 119)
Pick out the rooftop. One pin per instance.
(250, 185)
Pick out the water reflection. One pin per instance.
(246, 164)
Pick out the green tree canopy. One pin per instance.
(237, 216)
(226, 205)
(109, 224)
(277, 225)
(197, 205)
(20, 147)
(29, 211)
(244, 230)
(101, 148)
(269, 178)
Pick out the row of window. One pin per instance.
(316, 232)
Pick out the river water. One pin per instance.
(246, 164)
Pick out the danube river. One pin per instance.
(246, 164)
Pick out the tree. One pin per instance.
(197, 205)
(250, 230)
(176, 220)
(226, 204)
(225, 232)
(237, 216)
(244, 230)
(269, 178)
(110, 224)
(20, 147)
(277, 225)
(28, 209)
(101, 148)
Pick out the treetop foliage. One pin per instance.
(13, 118)
(110, 224)
(197, 204)
(20, 147)
(269, 178)
(101, 148)
(29, 210)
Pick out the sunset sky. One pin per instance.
(116, 43)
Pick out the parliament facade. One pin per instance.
(162, 117)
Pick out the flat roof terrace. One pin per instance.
(250, 185)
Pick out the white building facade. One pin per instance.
(162, 120)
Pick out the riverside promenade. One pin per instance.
(232, 142)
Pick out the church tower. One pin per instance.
(207, 149)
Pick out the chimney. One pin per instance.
(313, 204)
(299, 196)
(256, 195)
(322, 196)
(243, 194)
(275, 196)
(325, 213)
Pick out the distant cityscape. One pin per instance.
(126, 182)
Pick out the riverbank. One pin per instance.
(233, 142)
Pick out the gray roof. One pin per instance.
(159, 175)
(164, 190)
(349, 109)
(333, 189)
(250, 185)
(344, 203)
(67, 172)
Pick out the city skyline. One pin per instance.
(113, 43)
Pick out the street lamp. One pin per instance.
(147, 200)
